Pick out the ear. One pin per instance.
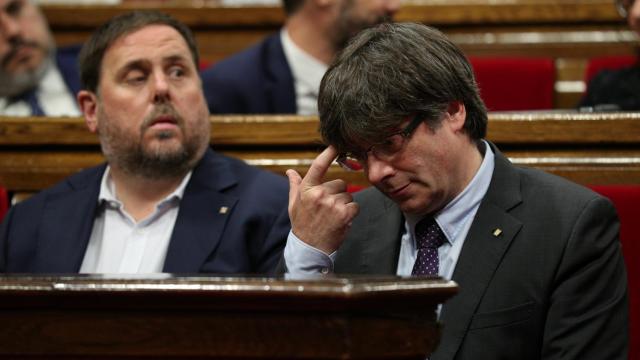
(88, 102)
(457, 114)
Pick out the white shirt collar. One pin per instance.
(108, 191)
(307, 71)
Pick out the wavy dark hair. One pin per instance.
(389, 72)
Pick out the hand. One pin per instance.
(320, 213)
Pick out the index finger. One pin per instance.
(319, 166)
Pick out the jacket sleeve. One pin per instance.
(588, 305)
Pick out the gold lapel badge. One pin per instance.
(497, 232)
(223, 210)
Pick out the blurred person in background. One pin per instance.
(35, 77)
(617, 89)
(281, 74)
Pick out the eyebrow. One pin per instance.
(133, 65)
(175, 58)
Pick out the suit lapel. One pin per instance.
(278, 87)
(67, 61)
(381, 255)
(373, 246)
(202, 216)
(67, 223)
(481, 254)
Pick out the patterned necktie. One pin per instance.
(429, 237)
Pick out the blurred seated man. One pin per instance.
(164, 201)
(281, 74)
(35, 79)
(536, 257)
(617, 89)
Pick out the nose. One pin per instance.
(378, 170)
(160, 88)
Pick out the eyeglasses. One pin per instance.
(385, 150)
(623, 7)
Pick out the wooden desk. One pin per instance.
(586, 148)
(219, 318)
(568, 31)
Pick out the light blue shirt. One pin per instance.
(454, 219)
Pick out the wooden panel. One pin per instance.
(562, 30)
(83, 317)
(568, 128)
(586, 148)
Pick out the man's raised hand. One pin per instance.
(320, 213)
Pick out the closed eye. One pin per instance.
(135, 77)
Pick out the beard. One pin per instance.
(347, 25)
(161, 161)
(12, 84)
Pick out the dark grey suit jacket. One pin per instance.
(552, 285)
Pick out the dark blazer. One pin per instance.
(67, 62)
(552, 285)
(614, 90)
(49, 232)
(257, 80)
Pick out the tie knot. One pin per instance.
(429, 234)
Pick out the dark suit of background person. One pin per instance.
(49, 232)
(614, 90)
(67, 62)
(260, 79)
(256, 81)
(540, 269)
(558, 240)
(617, 89)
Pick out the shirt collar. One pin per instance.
(107, 193)
(305, 68)
(453, 215)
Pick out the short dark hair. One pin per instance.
(93, 51)
(389, 72)
(291, 6)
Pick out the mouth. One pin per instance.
(398, 191)
(20, 52)
(163, 122)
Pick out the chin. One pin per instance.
(165, 147)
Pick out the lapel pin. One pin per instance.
(223, 210)
(497, 232)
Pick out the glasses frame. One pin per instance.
(346, 158)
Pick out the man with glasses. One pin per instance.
(617, 89)
(537, 258)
